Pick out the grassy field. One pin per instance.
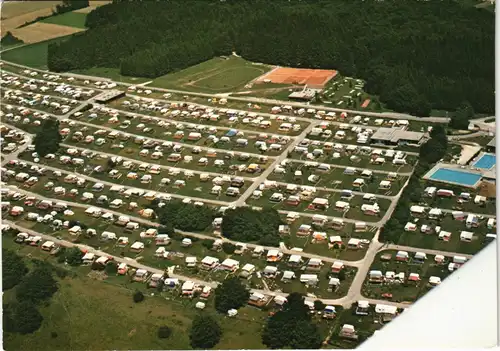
(447, 223)
(217, 75)
(112, 73)
(110, 320)
(70, 19)
(34, 55)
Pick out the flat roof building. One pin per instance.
(305, 94)
(108, 96)
(396, 136)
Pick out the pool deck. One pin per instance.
(468, 152)
(456, 167)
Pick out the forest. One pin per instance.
(415, 55)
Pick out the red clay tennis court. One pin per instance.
(310, 77)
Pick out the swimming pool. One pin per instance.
(486, 161)
(455, 176)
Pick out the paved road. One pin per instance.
(110, 184)
(484, 126)
(445, 210)
(263, 176)
(97, 126)
(466, 136)
(176, 121)
(265, 114)
(147, 222)
(265, 101)
(20, 149)
(362, 265)
(356, 168)
(426, 251)
(214, 174)
(133, 263)
(129, 261)
(333, 190)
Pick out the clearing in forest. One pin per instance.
(218, 75)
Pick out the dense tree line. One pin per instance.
(430, 152)
(416, 55)
(71, 5)
(248, 225)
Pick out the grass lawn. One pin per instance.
(70, 19)
(222, 122)
(338, 88)
(168, 133)
(131, 150)
(407, 291)
(112, 73)
(110, 319)
(178, 254)
(217, 75)
(336, 179)
(362, 161)
(365, 326)
(322, 248)
(451, 203)
(353, 213)
(34, 55)
(431, 241)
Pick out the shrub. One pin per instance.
(164, 332)
(138, 296)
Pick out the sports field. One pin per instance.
(218, 75)
(311, 77)
(70, 19)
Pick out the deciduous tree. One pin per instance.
(47, 139)
(205, 332)
(230, 294)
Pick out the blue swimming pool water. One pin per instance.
(455, 176)
(485, 162)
